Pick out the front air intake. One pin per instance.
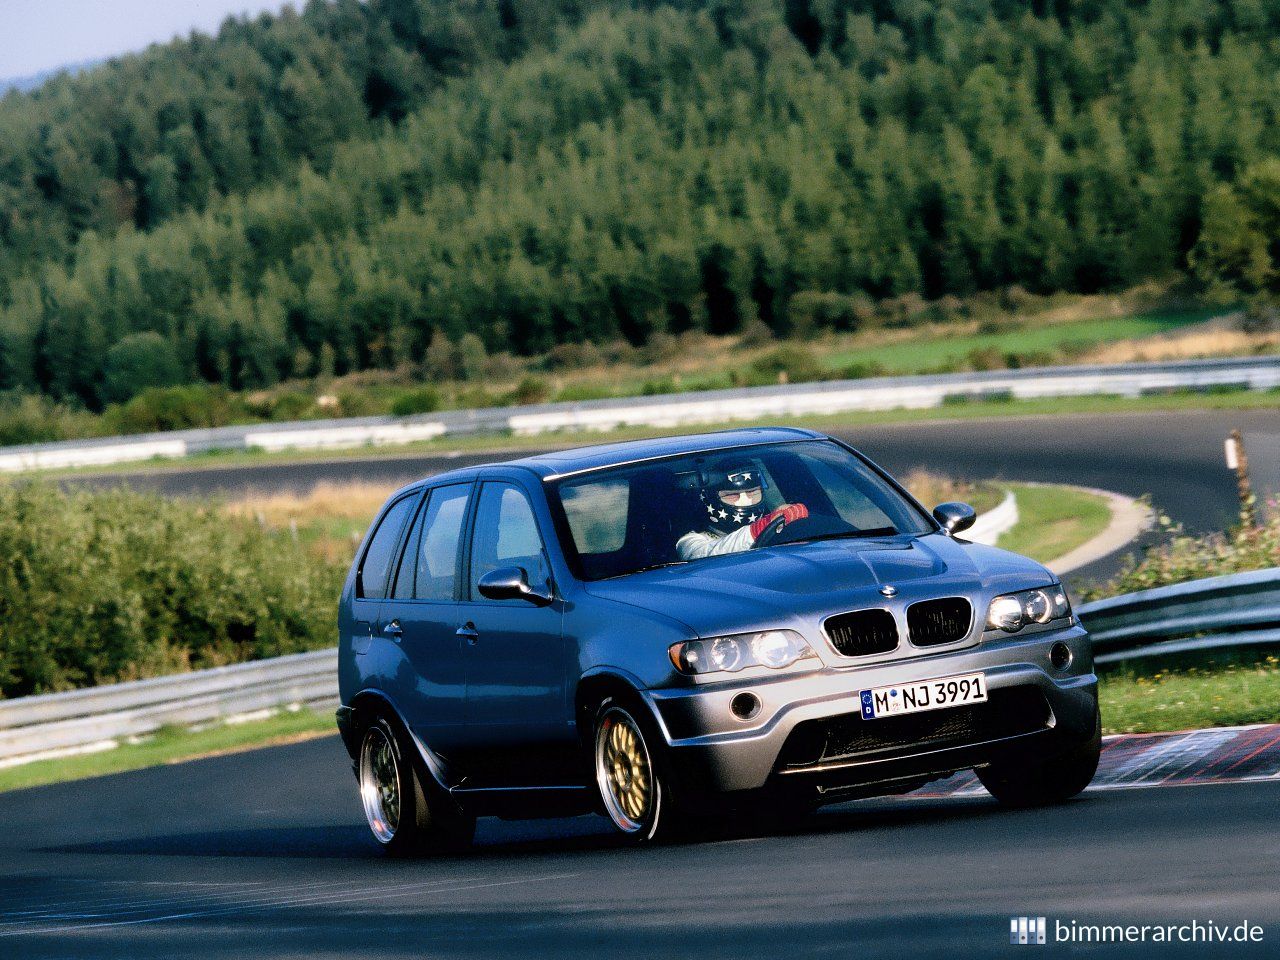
(862, 633)
(934, 622)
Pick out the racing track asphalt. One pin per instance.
(1175, 457)
(264, 854)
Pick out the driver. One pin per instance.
(732, 497)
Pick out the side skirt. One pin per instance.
(527, 803)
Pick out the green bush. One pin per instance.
(138, 362)
(578, 392)
(472, 357)
(25, 418)
(987, 358)
(573, 356)
(825, 310)
(861, 369)
(175, 408)
(1180, 557)
(422, 400)
(358, 403)
(1030, 358)
(657, 388)
(102, 587)
(756, 333)
(477, 398)
(291, 405)
(529, 390)
(798, 364)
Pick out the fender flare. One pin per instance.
(348, 719)
(630, 680)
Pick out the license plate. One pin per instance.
(925, 695)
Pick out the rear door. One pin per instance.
(421, 614)
(518, 730)
(374, 574)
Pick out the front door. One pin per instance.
(420, 614)
(518, 731)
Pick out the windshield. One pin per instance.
(688, 508)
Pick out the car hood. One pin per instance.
(798, 584)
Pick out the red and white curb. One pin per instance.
(1130, 760)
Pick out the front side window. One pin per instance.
(377, 559)
(695, 506)
(506, 535)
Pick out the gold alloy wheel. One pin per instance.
(380, 784)
(625, 773)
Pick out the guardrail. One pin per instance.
(1237, 610)
(749, 403)
(31, 727)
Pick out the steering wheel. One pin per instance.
(814, 525)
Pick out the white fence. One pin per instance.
(753, 403)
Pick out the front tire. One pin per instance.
(1045, 782)
(407, 812)
(631, 775)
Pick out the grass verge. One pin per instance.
(923, 353)
(172, 745)
(1135, 701)
(1053, 521)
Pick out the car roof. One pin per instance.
(578, 459)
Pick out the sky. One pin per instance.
(39, 35)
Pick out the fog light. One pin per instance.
(745, 706)
(1060, 655)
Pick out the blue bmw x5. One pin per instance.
(669, 629)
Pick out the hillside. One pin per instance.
(330, 191)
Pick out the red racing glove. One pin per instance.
(788, 513)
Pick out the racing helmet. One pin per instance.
(732, 494)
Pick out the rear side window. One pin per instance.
(429, 569)
(382, 547)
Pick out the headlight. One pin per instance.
(768, 648)
(1013, 611)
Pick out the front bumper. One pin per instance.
(713, 752)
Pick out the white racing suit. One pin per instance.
(695, 545)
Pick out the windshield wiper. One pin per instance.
(849, 535)
(651, 566)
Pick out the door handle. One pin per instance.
(469, 632)
(393, 629)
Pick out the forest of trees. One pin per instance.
(331, 190)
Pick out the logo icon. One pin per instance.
(1026, 930)
(889, 591)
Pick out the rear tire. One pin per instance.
(407, 811)
(1045, 782)
(632, 776)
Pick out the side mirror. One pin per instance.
(955, 517)
(511, 583)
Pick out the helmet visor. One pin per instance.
(748, 497)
